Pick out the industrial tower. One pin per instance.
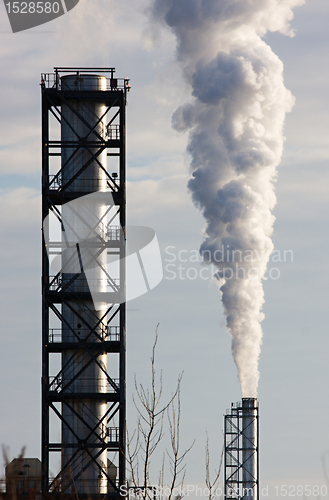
(241, 465)
(83, 298)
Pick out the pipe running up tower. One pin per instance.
(241, 433)
(83, 378)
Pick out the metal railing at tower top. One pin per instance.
(53, 80)
(238, 406)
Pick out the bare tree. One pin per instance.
(149, 432)
(212, 485)
(176, 461)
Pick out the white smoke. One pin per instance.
(235, 124)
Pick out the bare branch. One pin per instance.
(211, 485)
(177, 467)
(132, 456)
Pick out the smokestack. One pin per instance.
(83, 315)
(241, 432)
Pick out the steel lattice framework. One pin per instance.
(83, 420)
(241, 463)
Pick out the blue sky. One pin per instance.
(293, 398)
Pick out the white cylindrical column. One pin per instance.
(249, 448)
(80, 317)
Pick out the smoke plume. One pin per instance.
(235, 121)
